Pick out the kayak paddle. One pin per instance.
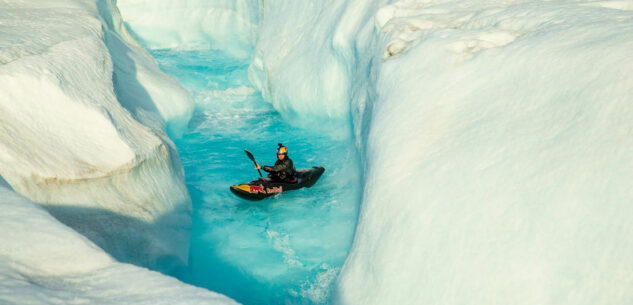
(250, 156)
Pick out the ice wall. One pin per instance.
(83, 113)
(228, 25)
(312, 58)
(498, 156)
(45, 262)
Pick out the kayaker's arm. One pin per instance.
(280, 167)
(265, 168)
(275, 168)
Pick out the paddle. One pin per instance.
(250, 156)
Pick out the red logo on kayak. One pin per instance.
(256, 189)
(274, 190)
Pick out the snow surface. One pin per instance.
(45, 262)
(496, 139)
(83, 114)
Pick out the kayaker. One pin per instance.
(284, 168)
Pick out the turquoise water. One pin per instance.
(284, 250)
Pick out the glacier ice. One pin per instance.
(46, 262)
(83, 114)
(497, 157)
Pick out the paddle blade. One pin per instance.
(250, 155)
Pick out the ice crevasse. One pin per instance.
(84, 118)
(496, 141)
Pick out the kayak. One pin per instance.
(266, 187)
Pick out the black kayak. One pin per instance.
(266, 187)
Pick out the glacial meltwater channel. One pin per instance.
(284, 250)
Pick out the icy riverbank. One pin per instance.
(83, 114)
(45, 262)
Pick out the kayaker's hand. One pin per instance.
(257, 166)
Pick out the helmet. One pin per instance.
(282, 150)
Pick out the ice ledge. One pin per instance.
(45, 262)
(83, 114)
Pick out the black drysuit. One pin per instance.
(283, 170)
